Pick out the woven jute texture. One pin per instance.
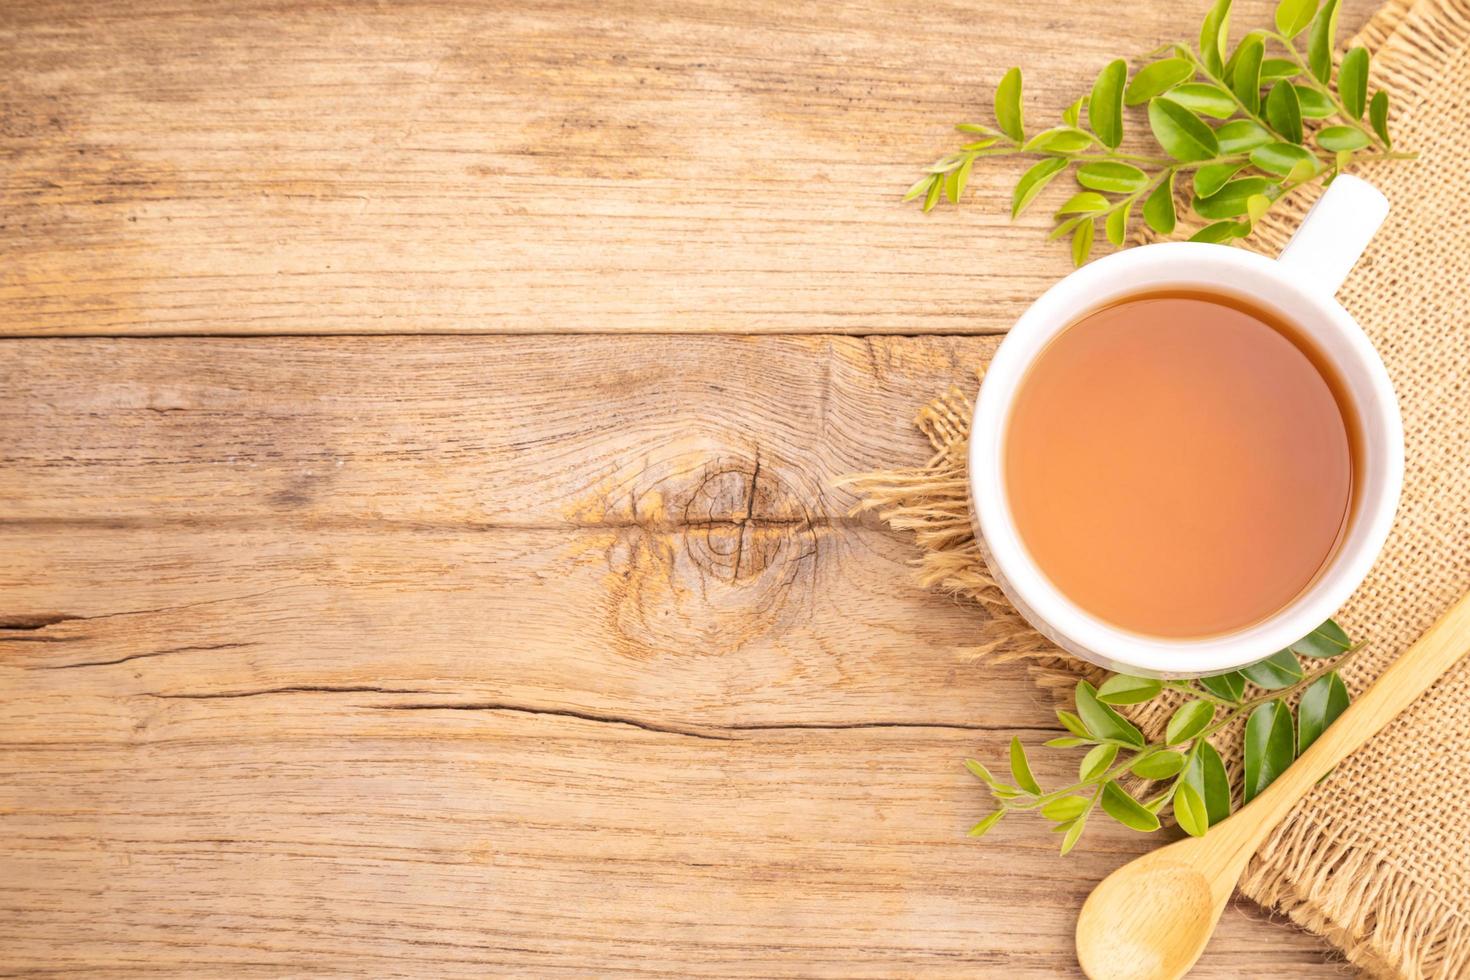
(1377, 858)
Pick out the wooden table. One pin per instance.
(418, 546)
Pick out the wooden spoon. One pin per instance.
(1151, 918)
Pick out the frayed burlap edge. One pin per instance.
(1383, 918)
(933, 502)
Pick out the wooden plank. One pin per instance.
(437, 714)
(257, 167)
(329, 832)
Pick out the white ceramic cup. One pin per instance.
(1300, 287)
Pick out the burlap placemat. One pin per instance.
(1377, 858)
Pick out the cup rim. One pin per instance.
(1080, 632)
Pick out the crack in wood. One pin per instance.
(293, 689)
(41, 622)
(143, 656)
(35, 621)
(606, 719)
(715, 733)
(742, 522)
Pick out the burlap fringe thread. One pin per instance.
(933, 502)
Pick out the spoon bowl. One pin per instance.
(1152, 917)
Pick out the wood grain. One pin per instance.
(255, 166)
(414, 718)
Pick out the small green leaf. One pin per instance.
(1339, 138)
(1066, 808)
(1074, 832)
(1327, 640)
(1275, 69)
(1301, 171)
(1189, 720)
(1032, 181)
(980, 772)
(1378, 115)
(1280, 158)
(1321, 41)
(978, 128)
(1229, 686)
(1314, 104)
(1008, 106)
(1112, 176)
(1072, 115)
(1210, 178)
(1230, 200)
(981, 828)
(921, 186)
(952, 186)
(1246, 81)
(1205, 98)
(1279, 670)
(932, 197)
(945, 164)
(1220, 232)
(1269, 746)
(1190, 812)
(1059, 139)
(1156, 79)
(1123, 689)
(1256, 207)
(1293, 16)
(1084, 202)
(1096, 762)
(1181, 133)
(1021, 769)
(962, 177)
(1126, 810)
(1323, 700)
(1065, 228)
(1158, 210)
(1160, 765)
(1102, 720)
(1284, 111)
(1212, 37)
(1082, 238)
(1105, 107)
(1206, 774)
(1116, 225)
(1066, 742)
(1241, 135)
(1073, 724)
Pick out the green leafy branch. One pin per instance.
(1283, 122)
(1183, 770)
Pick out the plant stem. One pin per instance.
(1200, 68)
(1143, 752)
(1325, 90)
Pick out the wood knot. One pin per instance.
(712, 550)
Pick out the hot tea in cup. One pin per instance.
(1179, 463)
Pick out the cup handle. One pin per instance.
(1334, 233)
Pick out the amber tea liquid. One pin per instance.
(1178, 464)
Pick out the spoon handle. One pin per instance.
(1435, 652)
